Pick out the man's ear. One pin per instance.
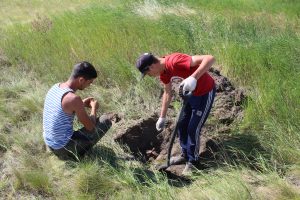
(81, 79)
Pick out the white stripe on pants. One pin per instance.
(197, 134)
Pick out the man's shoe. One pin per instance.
(177, 160)
(189, 169)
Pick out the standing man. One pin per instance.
(60, 107)
(192, 71)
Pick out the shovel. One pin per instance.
(184, 96)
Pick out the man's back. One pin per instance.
(57, 125)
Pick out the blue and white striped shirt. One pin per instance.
(57, 125)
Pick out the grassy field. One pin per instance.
(256, 44)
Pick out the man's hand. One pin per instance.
(77, 105)
(94, 104)
(160, 124)
(189, 84)
(87, 102)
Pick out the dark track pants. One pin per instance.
(83, 140)
(191, 122)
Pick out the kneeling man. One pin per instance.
(60, 107)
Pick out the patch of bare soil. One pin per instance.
(148, 145)
(294, 179)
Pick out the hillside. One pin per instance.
(256, 45)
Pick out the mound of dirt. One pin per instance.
(148, 145)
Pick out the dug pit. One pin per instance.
(148, 145)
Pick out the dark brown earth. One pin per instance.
(148, 145)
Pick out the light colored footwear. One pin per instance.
(177, 160)
(189, 169)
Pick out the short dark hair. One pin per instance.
(84, 69)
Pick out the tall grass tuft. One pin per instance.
(91, 179)
(36, 180)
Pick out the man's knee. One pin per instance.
(65, 154)
(104, 122)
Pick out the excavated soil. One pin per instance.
(148, 145)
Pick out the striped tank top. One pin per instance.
(57, 125)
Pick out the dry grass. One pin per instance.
(154, 10)
(12, 11)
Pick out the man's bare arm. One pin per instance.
(89, 122)
(166, 99)
(204, 62)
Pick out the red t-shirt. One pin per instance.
(178, 68)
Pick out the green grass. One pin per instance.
(290, 8)
(256, 45)
(90, 180)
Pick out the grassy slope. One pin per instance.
(15, 11)
(257, 45)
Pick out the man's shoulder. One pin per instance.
(71, 98)
(70, 102)
(177, 61)
(53, 88)
(177, 57)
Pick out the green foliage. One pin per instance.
(35, 180)
(91, 179)
(289, 7)
(256, 44)
(3, 143)
(30, 171)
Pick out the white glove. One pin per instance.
(189, 84)
(160, 124)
